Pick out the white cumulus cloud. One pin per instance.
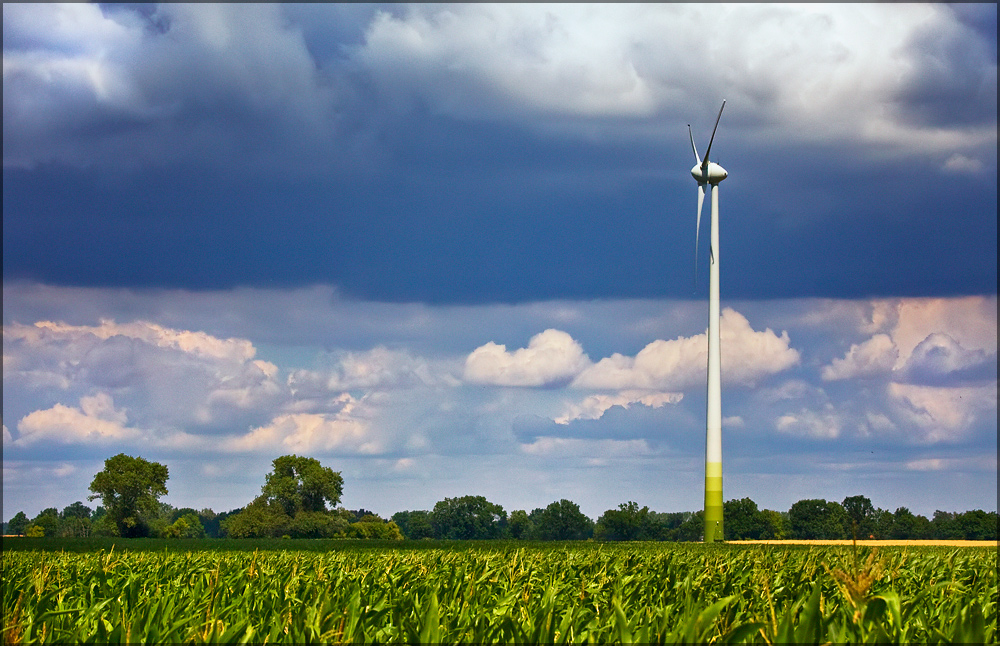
(170, 376)
(308, 433)
(876, 356)
(594, 406)
(823, 424)
(552, 357)
(344, 426)
(747, 357)
(380, 368)
(934, 414)
(95, 420)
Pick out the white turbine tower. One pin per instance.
(706, 172)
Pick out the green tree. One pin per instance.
(562, 521)
(468, 518)
(860, 516)
(302, 484)
(627, 523)
(774, 524)
(977, 525)
(210, 522)
(76, 510)
(370, 526)
(743, 520)
(293, 502)
(129, 488)
(519, 525)
(943, 526)
(817, 519)
(257, 520)
(18, 524)
(668, 524)
(693, 528)
(317, 524)
(185, 526)
(414, 525)
(905, 525)
(48, 521)
(882, 520)
(75, 520)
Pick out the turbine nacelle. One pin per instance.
(710, 173)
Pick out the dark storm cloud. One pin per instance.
(473, 154)
(954, 79)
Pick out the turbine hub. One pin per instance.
(711, 175)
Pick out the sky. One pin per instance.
(450, 250)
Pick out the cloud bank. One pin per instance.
(398, 409)
(84, 83)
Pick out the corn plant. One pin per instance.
(575, 593)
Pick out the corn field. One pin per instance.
(493, 593)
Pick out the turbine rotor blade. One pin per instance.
(704, 164)
(697, 228)
(697, 159)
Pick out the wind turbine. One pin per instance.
(710, 173)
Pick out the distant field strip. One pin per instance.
(576, 593)
(873, 542)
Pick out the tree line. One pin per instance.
(300, 497)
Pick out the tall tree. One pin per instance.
(414, 524)
(293, 502)
(627, 523)
(75, 520)
(300, 484)
(562, 521)
(977, 525)
(744, 520)
(817, 518)
(48, 521)
(860, 517)
(18, 524)
(129, 488)
(519, 525)
(468, 518)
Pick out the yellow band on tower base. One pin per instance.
(713, 502)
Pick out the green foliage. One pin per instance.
(468, 518)
(499, 593)
(129, 488)
(812, 519)
(860, 517)
(186, 526)
(375, 529)
(103, 526)
(48, 521)
(627, 523)
(258, 519)
(519, 525)
(18, 524)
(561, 521)
(76, 510)
(293, 502)
(300, 484)
(906, 525)
(414, 525)
(316, 524)
(774, 524)
(692, 529)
